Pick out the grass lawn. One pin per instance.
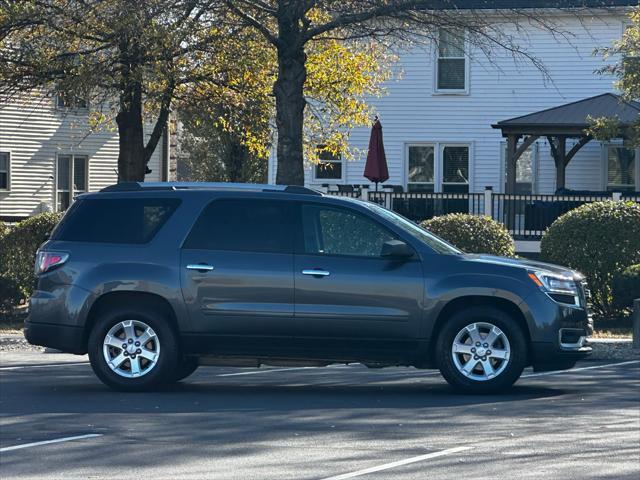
(613, 333)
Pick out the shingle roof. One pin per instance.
(508, 4)
(575, 114)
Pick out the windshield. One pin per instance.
(416, 231)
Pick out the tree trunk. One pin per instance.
(236, 160)
(131, 157)
(290, 103)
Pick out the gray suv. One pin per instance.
(153, 280)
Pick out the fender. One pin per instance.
(163, 281)
(492, 286)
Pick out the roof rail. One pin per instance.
(250, 187)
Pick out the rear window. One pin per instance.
(121, 220)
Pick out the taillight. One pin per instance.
(46, 261)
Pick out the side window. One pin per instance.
(329, 167)
(452, 62)
(116, 220)
(421, 171)
(244, 225)
(455, 169)
(336, 231)
(621, 169)
(5, 171)
(525, 170)
(65, 100)
(71, 172)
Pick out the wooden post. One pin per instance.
(509, 205)
(636, 323)
(488, 201)
(561, 165)
(510, 163)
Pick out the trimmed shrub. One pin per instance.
(599, 239)
(4, 229)
(472, 234)
(626, 287)
(18, 249)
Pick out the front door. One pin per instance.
(237, 273)
(346, 293)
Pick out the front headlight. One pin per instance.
(561, 288)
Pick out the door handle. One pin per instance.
(201, 267)
(316, 273)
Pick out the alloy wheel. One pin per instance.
(481, 351)
(131, 348)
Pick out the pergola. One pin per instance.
(558, 124)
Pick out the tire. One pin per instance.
(185, 367)
(151, 364)
(477, 368)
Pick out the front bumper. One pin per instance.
(67, 338)
(558, 333)
(547, 356)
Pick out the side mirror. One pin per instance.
(396, 249)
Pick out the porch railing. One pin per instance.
(422, 206)
(525, 216)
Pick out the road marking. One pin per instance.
(595, 367)
(399, 463)
(47, 442)
(272, 370)
(256, 372)
(43, 365)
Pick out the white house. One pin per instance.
(48, 155)
(437, 118)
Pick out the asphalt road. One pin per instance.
(330, 423)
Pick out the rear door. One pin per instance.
(237, 270)
(347, 292)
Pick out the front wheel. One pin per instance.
(133, 349)
(481, 350)
(187, 366)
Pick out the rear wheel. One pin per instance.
(481, 350)
(133, 349)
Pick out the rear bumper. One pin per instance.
(61, 337)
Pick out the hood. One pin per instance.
(523, 263)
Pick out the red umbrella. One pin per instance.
(376, 168)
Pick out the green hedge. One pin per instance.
(10, 294)
(600, 240)
(472, 234)
(18, 249)
(626, 287)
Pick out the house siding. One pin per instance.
(34, 133)
(499, 88)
